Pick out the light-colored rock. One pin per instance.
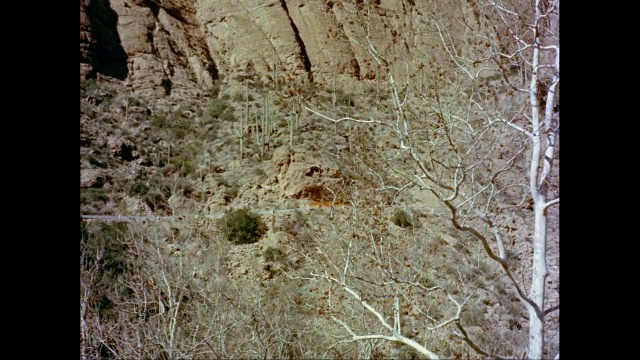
(448, 239)
(93, 178)
(275, 240)
(181, 46)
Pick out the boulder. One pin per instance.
(124, 149)
(93, 178)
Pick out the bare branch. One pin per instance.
(396, 336)
(466, 338)
(552, 202)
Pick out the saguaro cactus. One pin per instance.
(378, 82)
(246, 97)
(256, 129)
(275, 73)
(240, 135)
(294, 119)
(168, 153)
(246, 116)
(334, 97)
(268, 121)
(262, 128)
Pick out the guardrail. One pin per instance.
(127, 218)
(311, 205)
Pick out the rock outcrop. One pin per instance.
(179, 47)
(93, 178)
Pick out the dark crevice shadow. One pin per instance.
(303, 49)
(106, 52)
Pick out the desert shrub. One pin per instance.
(159, 120)
(216, 108)
(401, 218)
(87, 85)
(193, 148)
(103, 246)
(107, 119)
(185, 188)
(344, 99)
(274, 254)
(181, 128)
(182, 163)
(138, 188)
(160, 184)
(155, 200)
(210, 129)
(228, 116)
(241, 226)
(240, 97)
(214, 89)
(91, 195)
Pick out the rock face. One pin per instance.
(92, 178)
(177, 47)
(155, 50)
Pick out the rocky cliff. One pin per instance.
(173, 47)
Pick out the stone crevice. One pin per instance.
(303, 49)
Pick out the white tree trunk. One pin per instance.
(546, 131)
(536, 323)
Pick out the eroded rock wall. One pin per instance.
(178, 47)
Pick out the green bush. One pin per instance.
(194, 148)
(183, 164)
(216, 108)
(259, 172)
(401, 218)
(159, 120)
(181, 127)
(241, 226)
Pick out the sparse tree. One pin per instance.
(484, 146)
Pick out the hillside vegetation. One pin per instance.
(410, 224)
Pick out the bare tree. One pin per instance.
(142, 298)
(482, 140)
